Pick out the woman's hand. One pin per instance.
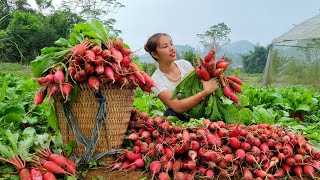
(209, 86)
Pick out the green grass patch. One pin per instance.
(16, 69)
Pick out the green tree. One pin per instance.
(149, 68)
(190, 56)
(63, 22)
(217, 34)
(30, 32)
(95, 9)
(255, 61)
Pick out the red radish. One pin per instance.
(36, 174)
(235, 87)
(191, 165)
(316, 164)
(205, 74)
(222, 65)
(234, 97)
(194, 145)
(52, 89)
(99, 69)
(179, 176)
(118, 44)
(53, 167)
(228, 158)
(168, 166)
(209, 174)
(309, 170)
(49, 78)
(80, 76)
(279, 173)
(117, 56)
(109, 73)
(39, 98)
(72, 71)
(132, 156)
(240, 153)
(298, 171)
(247, 175)
(250, 158)
(226, 149)
(298, 158)
(235, 79)
(163, 176)
(19, 165)
(261, 173)
(245, 146)
(139, 163)
(169, 153)
(25, 174)
(126, 52)
(89, 56)
(59, 76)
(140, 77)
(198, 72)
(176, 166)
(126, 61)
(234, 143)
(208, 56)
(94, 82)
(192, 155)
(66, 89)
(155, 167)
(49, 176)
(227, 91)
(96, 49)
(217, 72)
(106, 53)
(133, 137)
(79, 49)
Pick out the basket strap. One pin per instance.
(80, 137)
(106, 153)
(101, 116)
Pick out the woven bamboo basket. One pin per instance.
(85, 107)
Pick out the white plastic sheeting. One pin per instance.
(294, 57)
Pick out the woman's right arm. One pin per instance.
(180, 106)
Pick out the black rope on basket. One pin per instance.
(81, 138)
(101, 116)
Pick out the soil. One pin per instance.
(107, 174)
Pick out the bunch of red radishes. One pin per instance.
(46, 166)
(216, 150)
(96, 65)
(208, 69)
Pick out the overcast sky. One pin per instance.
(258, 21)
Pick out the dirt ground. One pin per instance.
(107, 174)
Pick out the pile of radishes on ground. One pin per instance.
(46, 165)
(208, 69)
(216, 150)
(96, 65)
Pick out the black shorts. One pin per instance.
(170, 112)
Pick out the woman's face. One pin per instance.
(166, 51)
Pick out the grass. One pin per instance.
(16, 69)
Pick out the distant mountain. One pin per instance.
(235, 49)
(233, 52)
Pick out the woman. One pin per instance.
(169, 74)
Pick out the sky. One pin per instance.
(258, 21)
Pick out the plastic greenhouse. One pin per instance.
(294, 57)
